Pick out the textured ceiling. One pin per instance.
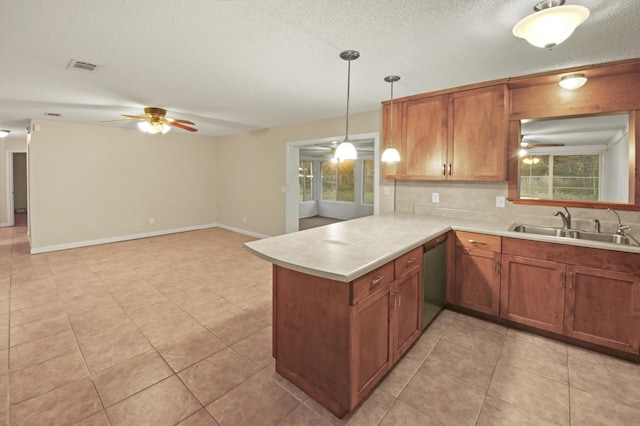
(238, 65)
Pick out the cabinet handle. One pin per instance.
(399, 297)
(478, 242)
(570, 279)
(444, 170)
(450, 169)
(561, 278)
(411, 260)
(497, 267)
(377, 280)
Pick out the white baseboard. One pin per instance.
(4, 225)
(242, 231)
(118, 239)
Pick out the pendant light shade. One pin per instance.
(346, 150)
(551, 23)
(391, 155)
(4, 133)
(573, 81)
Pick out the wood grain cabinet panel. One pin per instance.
(532, 292)
(478, 132)
(603, 307)
(477, 272)
(406, 322)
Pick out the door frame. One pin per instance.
(291, 182)
(11, 218)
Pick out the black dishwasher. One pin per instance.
(434, 278)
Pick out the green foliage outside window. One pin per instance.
(368, 181)
(305, 177)
(560, 177)
(338, 181)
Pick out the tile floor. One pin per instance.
(177, 330)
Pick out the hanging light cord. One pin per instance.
(346, 138)
(391, 129)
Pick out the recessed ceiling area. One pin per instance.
(238, 66)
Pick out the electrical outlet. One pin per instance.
(385, 190)
(435, 197)
(152, 220)
(500, 202)
(244, 219)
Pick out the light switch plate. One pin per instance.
(500, 202)
(435, 197)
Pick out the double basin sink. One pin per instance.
(618, 239)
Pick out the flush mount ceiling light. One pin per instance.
(391, 155)
(346, 150)
(551, 23)
(573, 81)
(4, 133)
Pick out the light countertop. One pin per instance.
(344, 251)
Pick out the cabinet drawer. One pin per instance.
(369, 283)
(479, 241)
(408, 261)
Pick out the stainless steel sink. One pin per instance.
(575, 233)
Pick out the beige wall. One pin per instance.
(7, 144)
(91, 183)
(251, 170)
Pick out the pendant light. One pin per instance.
(4, 133)
(346, 150)
(551, 23)
(391, 155)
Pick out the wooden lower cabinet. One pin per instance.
(603, 307)
(477, 272)
(532, 292)
(599, 303)
(337, 340)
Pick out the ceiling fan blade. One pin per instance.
(136, 117)
(111, 121)
(181, 126)
(175, 120)
(543, 145)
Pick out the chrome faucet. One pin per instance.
(566, 218)
(597, 222)
(621, 228)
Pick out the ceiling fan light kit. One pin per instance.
(391, 155)
(154, 121)
(551, 23)
(573, 81)
(346, 150)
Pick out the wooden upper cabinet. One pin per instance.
(424, 141)
(450, 136)
(478, 134)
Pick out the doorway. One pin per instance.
(292, 182)
(17, 199)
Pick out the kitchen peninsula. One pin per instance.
(347, 297)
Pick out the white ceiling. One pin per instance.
(237, 65)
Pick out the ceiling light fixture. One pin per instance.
(573, 81)
(346, 150)
(391, 155)
(4, 133)
(153, 127)
(551, 23)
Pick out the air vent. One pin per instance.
(82, 66)
(52, 114)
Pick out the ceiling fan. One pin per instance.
(526, 145)
(154, 121)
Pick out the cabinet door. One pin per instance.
(392, 135)
(370, 354)
(424, 138)
(477, 280)
(406, 317)
(603, 307)
(478, 134)
(532, 292)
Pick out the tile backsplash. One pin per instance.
(477, 200)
